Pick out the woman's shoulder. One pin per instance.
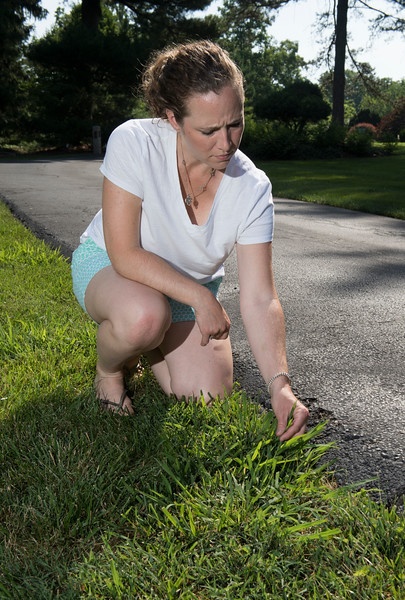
(244, 169)
(144, 128)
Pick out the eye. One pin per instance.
(209, 132)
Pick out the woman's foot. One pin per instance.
(111, 392)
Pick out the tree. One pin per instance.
(145, 12)
(83, 78)
(336, 17)
(368, 97)
(298, 104)
(86, 76)
(14, 32)
(392, 126)
(339, 70)
(382, 22)
(265, 64)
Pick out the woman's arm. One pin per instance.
(264, 323)
(121, 224)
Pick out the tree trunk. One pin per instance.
(338, 107)
(91, 13)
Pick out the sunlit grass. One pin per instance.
(179, 502)
(374, 185)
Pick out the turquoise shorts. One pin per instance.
(88, 259)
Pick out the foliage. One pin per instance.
(359, 142)
(267, 69)
(334, 19)
(265, 64)
(83, 78)
(359, 139)
(55, 89)
(296, 105)
(179, 502)
(367, 128)
(367, 96)
(392, 126)
(77, 76)
(365, 116)
(244, 25)
(266, 140)
(162, 22)
(14, 33)
(393, 21)
(384, 97)
(328, 138)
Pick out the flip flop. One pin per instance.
(118, 406)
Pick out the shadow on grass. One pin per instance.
(68, 474)
(73, 476)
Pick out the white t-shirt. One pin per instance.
(141, 158)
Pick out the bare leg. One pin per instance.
(133, 319)
(185, 368)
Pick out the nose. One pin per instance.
(225, 139)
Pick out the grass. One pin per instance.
(181, 502)
(374, 185)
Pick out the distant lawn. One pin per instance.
(374, 185)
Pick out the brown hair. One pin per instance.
(178, 72)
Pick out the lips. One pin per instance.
(225, 157)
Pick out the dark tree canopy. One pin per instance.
(145, 12)
(298, 104)
(86, 76)
(14, 32)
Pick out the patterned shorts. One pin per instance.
(88, 259)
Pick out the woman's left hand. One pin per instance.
(291, 414)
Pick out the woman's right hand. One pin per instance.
(211, 318)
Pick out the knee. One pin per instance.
(146, 326)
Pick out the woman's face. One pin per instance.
(212, 130)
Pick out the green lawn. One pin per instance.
(375, 185)
(180, 502)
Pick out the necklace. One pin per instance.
(191, 197)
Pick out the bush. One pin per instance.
(392, 126)
(266, 140)
(359, 142)
(366, 116)
(366, 128)
(328, 139)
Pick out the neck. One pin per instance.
(191, 194)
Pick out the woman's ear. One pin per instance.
(172, 119)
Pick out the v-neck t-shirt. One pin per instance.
(141, 158)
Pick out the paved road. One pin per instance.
(340, 276)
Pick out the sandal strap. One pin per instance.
(105, 403)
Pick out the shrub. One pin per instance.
(366, 116)
(366, 128)
(328, 139)
(359, 142)
(393, 124)
(265, 140)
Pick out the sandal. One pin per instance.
(118, 407)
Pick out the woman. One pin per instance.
(178, 195)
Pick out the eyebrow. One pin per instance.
(216, 127)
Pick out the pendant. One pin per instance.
(188, 200)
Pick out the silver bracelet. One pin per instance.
(272, 380)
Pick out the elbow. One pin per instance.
(128, 264)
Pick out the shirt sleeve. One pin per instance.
(122, 164)
(258, 227)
